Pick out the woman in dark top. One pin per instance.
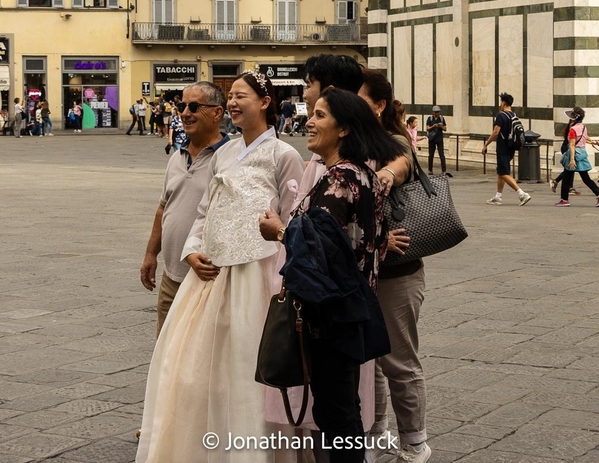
(400, 293)
(345, 133)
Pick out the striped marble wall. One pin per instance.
(461, 54)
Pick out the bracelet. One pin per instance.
(389, 170)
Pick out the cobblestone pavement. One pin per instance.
(509, 328)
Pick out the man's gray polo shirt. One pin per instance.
(184, 186)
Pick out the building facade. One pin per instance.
(105, 54)
(461, 54)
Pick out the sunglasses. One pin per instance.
(194, 106)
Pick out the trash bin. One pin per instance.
(529, 159)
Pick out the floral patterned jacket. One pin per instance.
(354, 196)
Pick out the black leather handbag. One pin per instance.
(282, 360)
(425, 209)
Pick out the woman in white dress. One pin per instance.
(201, 377)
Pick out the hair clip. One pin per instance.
(260, 78)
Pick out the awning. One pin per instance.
(165, 87)
(287, 82)
(4, 78)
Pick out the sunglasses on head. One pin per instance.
(193, 106)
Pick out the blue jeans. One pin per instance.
(47, 125)
(77, 122)
(38, 129)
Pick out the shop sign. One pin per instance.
(282, 71)
(145, 89)
(175, 73)
(34, 94)
(89, 93)
(4, 49)
(89, 65)
(98, 104)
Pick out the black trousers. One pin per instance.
(151, 124)
(561, 176)
(436, 143)
(141, 124)
(568, 181)
(334, 383)
(133, 122)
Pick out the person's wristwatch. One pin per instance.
(281, 234)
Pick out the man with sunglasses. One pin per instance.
(186, 179)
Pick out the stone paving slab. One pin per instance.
(509, 327)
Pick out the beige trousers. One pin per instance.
(166, 295)
(400, 300)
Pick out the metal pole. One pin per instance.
(457, 153)
(485, 162)
(547, 161)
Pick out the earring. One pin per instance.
(378, 114)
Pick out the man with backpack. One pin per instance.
(133, 112)
(509, 133)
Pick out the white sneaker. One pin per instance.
(51, 134)
(381, 447)
(408, 454)
(495, 201)
(524, 199)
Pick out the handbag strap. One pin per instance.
(299, 328)
(424, 180)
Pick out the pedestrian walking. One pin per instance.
(78, 112)
(575, 159)
(412, 124)
(287, 114)
(505, 154)
(133, 110)
(435, 126)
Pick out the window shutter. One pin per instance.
(158, 11)
(281, 12)
(114, 4)
(22, 3)
(231, 11)
(168, 11)
(77, 4)
(58, 4)
(220, 11)
(342, 12)
(292, 13)
(355, 12)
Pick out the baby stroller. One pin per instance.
(299, 126)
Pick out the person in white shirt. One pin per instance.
(141, 115)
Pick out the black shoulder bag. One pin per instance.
(425, 209)
(282, 360)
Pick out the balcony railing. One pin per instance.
(267, 34)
